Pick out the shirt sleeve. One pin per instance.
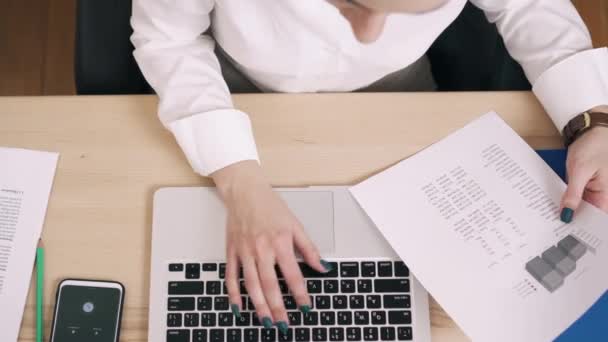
(551, 42)
(177, 59)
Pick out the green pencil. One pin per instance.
(39, 291)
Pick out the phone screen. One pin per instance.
(87, 313)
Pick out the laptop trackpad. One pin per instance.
(315, 210)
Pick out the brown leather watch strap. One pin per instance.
(581, 124)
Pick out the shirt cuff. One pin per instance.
(574, 85)
(215, 139)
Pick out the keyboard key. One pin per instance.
(322, 302)
(199, 335)
(244, 321)
(295, 318)
(319, 334)
(336, 334)
(222, 271)
(181, 304)
(368, 269)
(233, 335)
(387, 333)
(353, 334)
(286, 337)
(176, 267)
(268, 335)
(224, 288)
(302, 334)
(378, 317)
(311, 318)
(396, 301)
(250, 335)
(224, 319)
(364, 285)
(361, 317)
(385, 269)
(283, 286)
(356, 302)
(399, 317)
(208, 319)
(220, 303)
(186, 288)
(178, 335)
(328, 318)
(340, 302)
(401, 270)
(255, 320)
(209, 267)
(289, 302)
(347, 286)
(216, 335)
(250, 305)
(174, 320)
(370, 334)
(193, 271)
(349, 269)
(308, 272)
(404, 333)
(330, 286)
(392, 285)
(314, 286)
(204, 304)
(345, 318)
(214, 287)
(191, 320)
(373, 302)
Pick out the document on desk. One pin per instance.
(26, 178)
(476, 218)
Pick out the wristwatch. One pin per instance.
(581, 124)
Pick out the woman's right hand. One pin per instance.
(261, 233)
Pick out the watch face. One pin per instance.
(87, 313)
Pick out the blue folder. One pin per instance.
(593, 325)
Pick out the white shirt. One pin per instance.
(307, 46)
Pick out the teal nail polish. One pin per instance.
(305, 309)
(328, 267)
(267, 322)
(282, 327)
(566, 215)
(235, 311)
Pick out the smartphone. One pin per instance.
(87, 310)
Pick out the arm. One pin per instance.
(179, 62)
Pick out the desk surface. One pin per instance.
(115, 154)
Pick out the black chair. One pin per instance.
(468, 55)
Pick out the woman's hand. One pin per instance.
(261, 233)
(587, 169)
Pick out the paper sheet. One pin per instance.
(476, 218)
(26, 178)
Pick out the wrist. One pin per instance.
(233, 177)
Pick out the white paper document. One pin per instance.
(26, 178)
(476, 218)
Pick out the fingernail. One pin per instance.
(282, 327)
(326, 265)
(305, 309)
(267, 322)
(235, 311)
(566, 215)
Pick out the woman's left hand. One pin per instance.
(587, 169)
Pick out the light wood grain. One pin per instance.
(115, 154)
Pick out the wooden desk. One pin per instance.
(115, 154)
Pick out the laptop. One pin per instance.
(370, 295)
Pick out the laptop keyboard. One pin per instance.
(360, 300)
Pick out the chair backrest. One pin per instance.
(468, 55)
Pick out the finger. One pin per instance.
(254, 288)
(309, 251)
(578, 177)
(270, 284)
(598, 199)
(291, 272)
(232, 280)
